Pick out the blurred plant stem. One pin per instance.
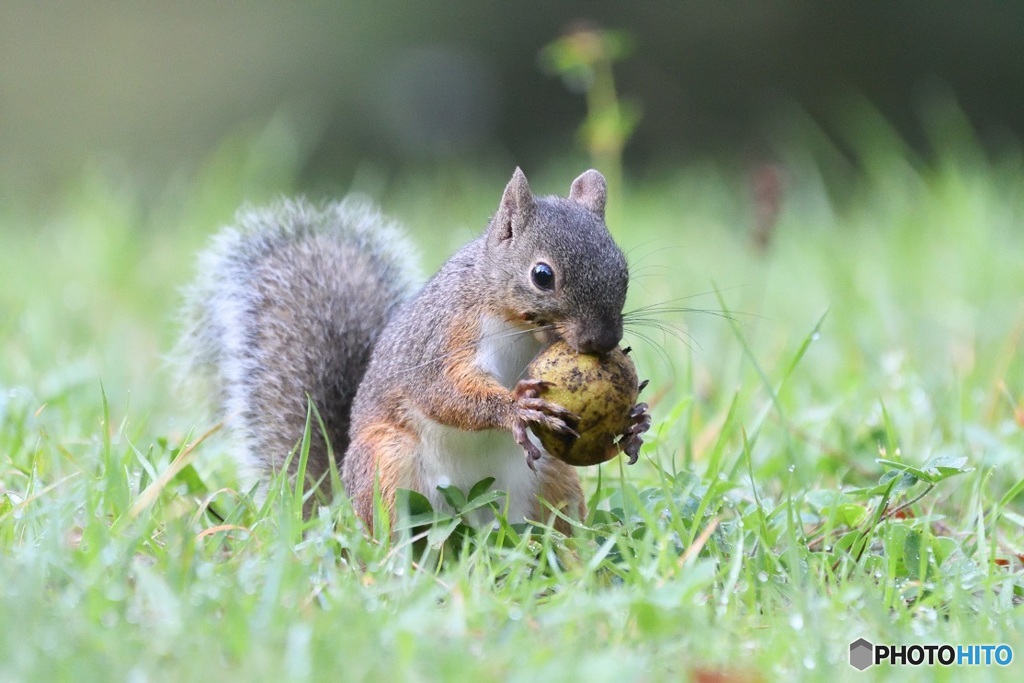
(583, 58)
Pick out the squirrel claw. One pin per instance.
(531, 409)
(533, 454)
(551, 415)
(631, 441)
(530, 388)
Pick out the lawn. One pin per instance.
(837, 451)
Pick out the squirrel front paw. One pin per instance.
(639, 422)
(530, 409)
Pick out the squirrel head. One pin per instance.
(554, 263)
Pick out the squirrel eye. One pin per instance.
(543, 276)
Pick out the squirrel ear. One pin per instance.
(516, 208)
(590, 191)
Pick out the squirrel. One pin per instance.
(417, 389)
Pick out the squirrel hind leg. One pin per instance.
(560, 489)
(380, 457)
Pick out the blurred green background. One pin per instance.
(388, 83)
(846, 180)
(856, 158)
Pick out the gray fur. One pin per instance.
(410, 381)
(293, 300)
(569, 235)
(289, 302)
(491, 275)
(591, 191)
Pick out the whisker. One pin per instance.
(658, 322)
(684, 298)
(650, 253)
(653, 240)
(643, 316)
(666, 328)
(650, 269)
(658, 348)
(728, 315)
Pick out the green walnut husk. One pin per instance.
(601, 390)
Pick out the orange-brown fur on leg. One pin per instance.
(386, 458)
(559, 489)
(463, 395)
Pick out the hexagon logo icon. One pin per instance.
(861, 654)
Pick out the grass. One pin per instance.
(838, 457)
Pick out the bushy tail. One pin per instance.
(288, 304)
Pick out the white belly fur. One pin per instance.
(453, 457)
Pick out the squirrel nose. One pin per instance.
(598, 340)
